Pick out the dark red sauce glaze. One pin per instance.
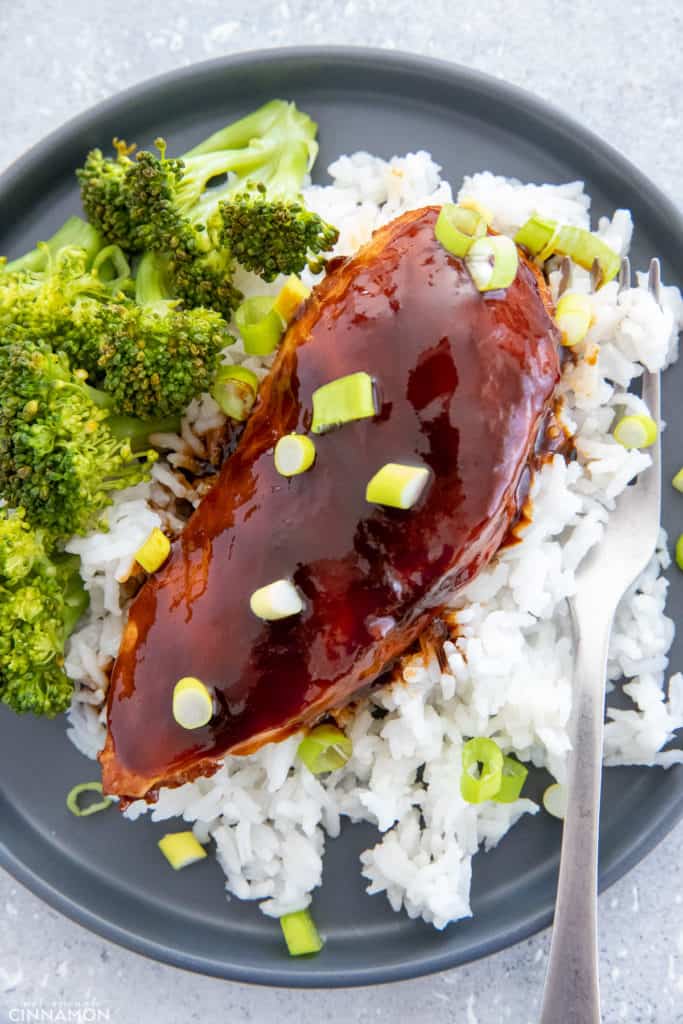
(463, 382)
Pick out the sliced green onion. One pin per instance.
(301, 934)
(636, 431)
(481, 750)
(678, 480)
(325, 749)
(192, 703)
(457, 227)
(153, 553)
(86, 787)
(294, 454)
(536, 234)
(493, 262)
(291, 297)
(234, 390)
(181, 849)
(514, 777)
(679, 552)
(397, 486)
(469, 203)
(343, 400)
(543, 237)
(573, 317)
(585, 248)
(278, 600)
(555, 800)
(259, 324)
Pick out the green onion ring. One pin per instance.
(482, 750)
(512, 782)
(86, 787)
(259, 324)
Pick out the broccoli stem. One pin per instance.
(240, 133)
(75, 232)
(130, 428)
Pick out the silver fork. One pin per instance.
(572, 993)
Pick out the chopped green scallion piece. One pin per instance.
(72, 801)
(397, 486)
(234, 390)
(301, 934)
(678, 480)
(294, 454)
(457, 227)
(555, 800)
(514, 777)
(259, 324)
(343, 400)
(485, 752)
(536, 234)
(679, 552)
(325, 749)
(541, 238)
(492, 261)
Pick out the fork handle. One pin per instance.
(572, 991)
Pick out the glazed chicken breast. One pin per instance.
(462, 382)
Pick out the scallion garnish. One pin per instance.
(325, 749)
(555, 800)
(72, 799)
(484, 755)
(512, 782)
(679, 552)
(294, 454)
(290, 298)
(181, 849)
(397, 486)
(192, 703)
(543, 237)
(278, 600)
(457, 227)
(636, 431)
(153, 553)
(301, 934)
(677, 481)
(573, 317)
(492, 261)
(342, 401)
(234, 390)
(259, 324)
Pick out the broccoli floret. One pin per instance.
(104, 194)
(273, 236)
(155, 357)
(41, 600)
(60, 456)
(177, 207)
(56, 290)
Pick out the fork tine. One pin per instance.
(654, 281)
(565, 275)
(625, 274)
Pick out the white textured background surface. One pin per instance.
(614, 64)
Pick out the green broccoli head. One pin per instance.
(273, 236)
(59, 459)
(104, 194)
(41, 600)
(155, 360)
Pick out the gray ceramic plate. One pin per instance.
(105, 872)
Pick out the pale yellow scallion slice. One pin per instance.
(290, 298)
(493, 262)
(677, 481)
(181, 849)
(235, 389)
(294, 454)
(153, 553)
(278, 600)
(573, 316)
(555, 800)
(636, 431)
(457, 227)
(397, 486)
(192, 703)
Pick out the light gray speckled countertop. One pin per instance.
(614, 65)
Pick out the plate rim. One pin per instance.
(583, 139)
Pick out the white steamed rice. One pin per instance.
(510, 662)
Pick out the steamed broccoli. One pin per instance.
(41, 600)
(57, 289)
(254, 217)
(104, 194)
(61, 451)
(155, 357)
